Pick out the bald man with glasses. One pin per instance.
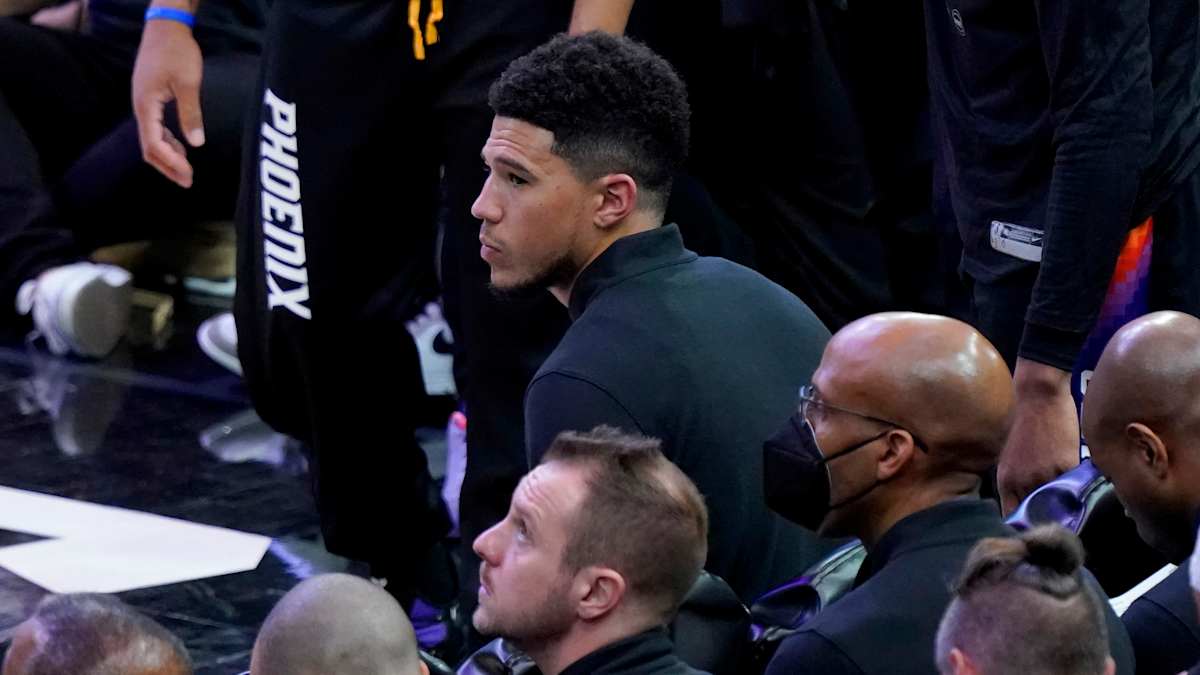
(904, 413)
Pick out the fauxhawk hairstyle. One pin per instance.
(641, 517)
(1024, 607)
(613, 105)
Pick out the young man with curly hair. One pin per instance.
(700, 352)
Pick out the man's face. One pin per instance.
(524, 591)
(535, 211)
(835, 430)
(1160, 522)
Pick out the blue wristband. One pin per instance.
(171, 14)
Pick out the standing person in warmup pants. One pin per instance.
(364, 102)
(1063, 129)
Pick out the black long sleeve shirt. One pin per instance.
(1072, 118)
(704, 354)
(886, 624)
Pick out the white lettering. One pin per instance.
(282, 214)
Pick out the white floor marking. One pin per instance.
(104, 549)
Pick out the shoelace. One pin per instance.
(44, 310)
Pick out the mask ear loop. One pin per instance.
(847, 451)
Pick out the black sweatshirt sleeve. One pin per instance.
(1101, 101)
(558, 402)
(810, 653)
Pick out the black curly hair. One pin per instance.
(613, 105)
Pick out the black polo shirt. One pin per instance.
(888, 622)
(704, 354)
(650, 652)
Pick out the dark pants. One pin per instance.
(351, 139)
(999, 306)
(830, 167)
(72, 177)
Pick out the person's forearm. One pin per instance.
(1101, 102)
(23, 7)
(1088, 219)
(609, 16)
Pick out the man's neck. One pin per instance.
(635, 224)
(553, 657)
(886, 515)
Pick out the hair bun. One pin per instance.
(1053, 548)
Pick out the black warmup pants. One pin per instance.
(831, 165)
(337, 234)
(72, 177)
(999, 306)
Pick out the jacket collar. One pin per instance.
(624, 259)
(954, 521)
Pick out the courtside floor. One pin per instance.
(153, 432)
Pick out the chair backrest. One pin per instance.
(711, 629)
(436, 666)
(780, 612)
(1083, 500)
(498, 657)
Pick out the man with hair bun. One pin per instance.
(1024, 606)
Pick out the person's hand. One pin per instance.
(1044, 441)
(169, 67)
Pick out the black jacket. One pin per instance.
(1163, 626)
(648, 653)
(888, 622)
(704, 354)
(1075, 118)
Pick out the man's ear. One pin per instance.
(603, 590)
(618, 198)
(899, 449)
(1150, 452)
(960, 663)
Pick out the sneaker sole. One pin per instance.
(103, 309)
(210, 349)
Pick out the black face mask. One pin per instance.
(796, 480)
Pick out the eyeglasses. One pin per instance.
(809, 400)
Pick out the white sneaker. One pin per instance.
(218, 339)
(81, 308)
(432, 335)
